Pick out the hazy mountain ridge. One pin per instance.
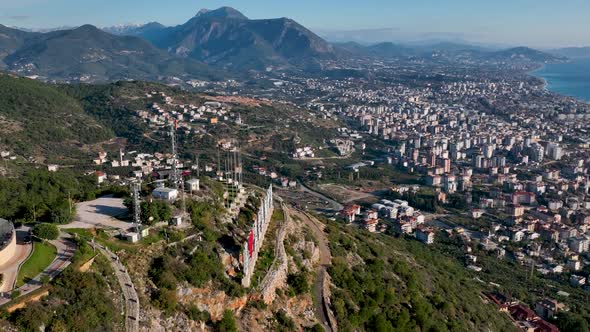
(222, 38)
(87, 53)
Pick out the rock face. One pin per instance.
(213, 301)
(228, 38)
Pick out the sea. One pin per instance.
(571, 78)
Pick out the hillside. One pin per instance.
(37, 120)
(89, 54)
(573, 52)
(11, 40)
(523, 54)
(382, 283)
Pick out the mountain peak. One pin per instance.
(223, 12)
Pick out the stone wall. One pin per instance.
(257, 234)
(277, 277)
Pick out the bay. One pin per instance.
(570, 79)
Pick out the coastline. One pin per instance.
(545, 81)
(558, 82)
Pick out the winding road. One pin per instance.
(65, 251)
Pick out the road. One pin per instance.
(336, 206)
(65, 251)
(129, 293)
(322, 308)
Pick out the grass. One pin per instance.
(43, 254)
(101, 237)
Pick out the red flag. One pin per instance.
(251, 243)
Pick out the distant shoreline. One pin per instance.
(545, 82)
(560, 82)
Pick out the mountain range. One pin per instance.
(208, 46)
(226, 38)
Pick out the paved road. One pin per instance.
(65, 251)
(325, 260)
(129, 293)
(100, 213)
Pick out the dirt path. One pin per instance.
(129, 293)
(319, 285)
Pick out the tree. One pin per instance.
(227, 323)
(46, 231)
(298, 283)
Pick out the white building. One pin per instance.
(193, 185)
(167, 194)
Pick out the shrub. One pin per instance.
(227, 323)
(46, 231)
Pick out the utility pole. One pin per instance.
(70, 202)
(174, 155)
(136, 186)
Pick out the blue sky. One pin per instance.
(540, 23)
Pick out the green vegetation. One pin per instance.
(103, 238)
(422, 200)
(76, 302)
(283, 323)
(297, 283)
(155, 212)
(36, 119)
(516, 280)
(46, 231)
(197, 315)
(39, 195)
(405, 286)
(227, 323)
(43, 254)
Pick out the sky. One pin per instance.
(537, 23)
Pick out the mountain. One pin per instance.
(12, 39)
(449, 51)
(135, 29)
(523, 54)
(89, 54)
(227, 38)
(573, 52)
(223, 13)
(390, 50)
(37, 119)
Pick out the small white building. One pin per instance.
(167, 194)
(175, 221)
(132, 237)
(193, 185)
